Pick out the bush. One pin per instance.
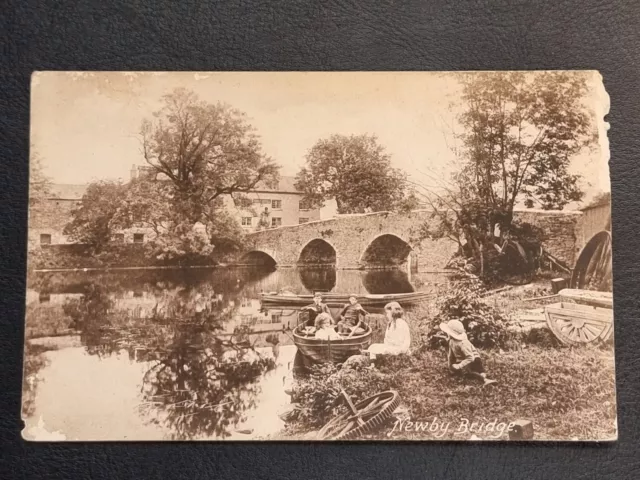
(319, 395)
(485, 325)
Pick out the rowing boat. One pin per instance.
(316, 350)
(339, 299)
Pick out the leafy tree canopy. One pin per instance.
(356, 171)
(92, 220)
(520, 132)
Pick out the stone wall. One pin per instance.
(562, 231)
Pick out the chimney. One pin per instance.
(134, 172)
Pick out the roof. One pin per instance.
(66, 191)
(285, 184)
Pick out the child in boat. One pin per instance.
(463, 357)
(325, 330)
(351, 317)
(315, 309)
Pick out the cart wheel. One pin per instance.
(371, 413)
(593, 268)
(578, 331)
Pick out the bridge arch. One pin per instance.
(317, 251)
(386, 250)
(263, 258)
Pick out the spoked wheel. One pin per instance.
(593, 268)
(363, 417)
(516, 265)
(575, 324)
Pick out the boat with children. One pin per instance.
(316, 350)
(339, 299)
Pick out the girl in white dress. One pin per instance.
(397, 337)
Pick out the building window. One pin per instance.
(276, 204)
(44, 298)
(303, 220)
(45, 239)
(246, 221)
(276, 318)
(302, 205)
(118, 237)
(262, 201)
(138, 237)
(276, 222)
(248, 319)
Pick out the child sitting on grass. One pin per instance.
(463, 356)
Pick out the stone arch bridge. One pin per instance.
(386, 239)
(351, 242)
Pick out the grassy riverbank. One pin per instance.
(566, 393)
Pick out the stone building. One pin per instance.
(277, 206)
(273, 207)
(48, 218)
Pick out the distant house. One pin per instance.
(276, 206)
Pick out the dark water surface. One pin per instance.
(170, 354)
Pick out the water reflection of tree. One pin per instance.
(201, 392)
(34, 361)
(200, 382)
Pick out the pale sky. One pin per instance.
(85, 125)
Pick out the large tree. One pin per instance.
(197, 152)
(204, 150)
(355, 171)
(92, 221)
(520, 132)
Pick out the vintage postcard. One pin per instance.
(319, 256)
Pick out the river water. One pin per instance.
(170, 354)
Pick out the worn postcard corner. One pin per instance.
(319, 256)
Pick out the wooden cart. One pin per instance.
(577, 324)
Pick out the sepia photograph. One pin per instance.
(319, 256)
